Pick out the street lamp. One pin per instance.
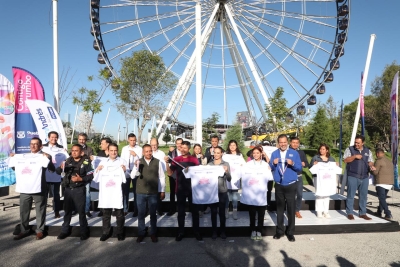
(124, 132)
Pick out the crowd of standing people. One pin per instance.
(210, 182)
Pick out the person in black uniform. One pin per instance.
(77, 171)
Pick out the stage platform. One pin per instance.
(168, 225)
(337, 202)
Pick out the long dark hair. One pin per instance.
(328, 154)
(194, 154)
(228, 151)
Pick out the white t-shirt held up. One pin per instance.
(58, 155)
(236, 163)
(204, 183)
(28, 172)
(326, 178)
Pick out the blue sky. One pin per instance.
(27, 42)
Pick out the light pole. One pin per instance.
(124, 132)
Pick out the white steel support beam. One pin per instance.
(236, 62)
(247, 55)
(199, 102)
(187, 76)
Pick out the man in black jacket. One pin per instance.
(295, 144)
(77, 172)
(210, 150)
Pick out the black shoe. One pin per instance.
(277, 236)
(160, 213)
(170, 213)
(88, 214)
(62, 236)
(198, 236)
(100, 214)
(139, 239)
(179, 237)
(291, 238)
(135, 214)
(223, 236)
(74, 213)
(84, 236)
(121, 237)
(17, 229)
(104, 237)
(214, 236)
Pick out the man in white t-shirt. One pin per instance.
(160, 155)
(110, 174)
(130, 153)
(31, 184)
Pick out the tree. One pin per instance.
(90, 99)
(276, 115)
(209, 126)
(83, 121)
(154, 133)
(167, 136)
(331, 109)
(319, 129)
(235, 133)
(144, 83)
(64, 84)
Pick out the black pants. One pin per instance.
(172, 193)
(119, 213)
(223, 197)
(75, 199)
(194, 208)
(285, 196)
(260, 210)
(270, 185)
(159, 204)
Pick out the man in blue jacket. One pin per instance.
(285, 163)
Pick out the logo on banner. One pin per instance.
(20, 134)
(52, 114)
(32, 134)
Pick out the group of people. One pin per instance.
(210, 181)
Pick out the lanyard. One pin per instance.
(282, 171)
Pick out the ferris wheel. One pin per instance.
(248, 48)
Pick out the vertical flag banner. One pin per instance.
(46, 120)
(7, 119)
(395, 127)
(27, 87)
(341, 135)
(362, 106)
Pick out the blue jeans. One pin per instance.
(382, 194)
(88, 200)
(54, 190)
(151, 201)
(354, 184)
(233, 196)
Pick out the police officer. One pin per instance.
(77, 171)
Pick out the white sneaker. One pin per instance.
(227, 213)
(235, 214)
(326, 214)
(207, 210)
(319, 214)
(259, 236)
(253, 235)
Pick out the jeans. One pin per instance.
(223, 199)
(172, 193)
(75, 198)
(194, 208)
(119, 214)
(151, 201)
(299, 192)
(354, 184)
(260, 210)
(383, 207)
(233, 195)
(54, 190)
(88, 200)
(125, 191)
(285, 196)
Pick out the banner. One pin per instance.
(395, 127)
(7, 119)
(46, 120)
(27, 87)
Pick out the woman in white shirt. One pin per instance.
(255, 176)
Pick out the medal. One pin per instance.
(63, 173)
